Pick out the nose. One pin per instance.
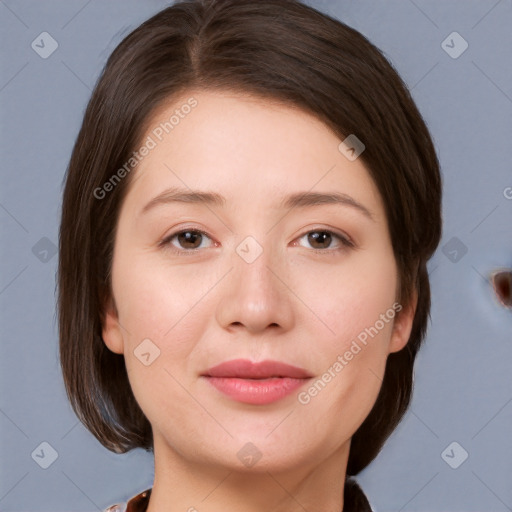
(256, 295)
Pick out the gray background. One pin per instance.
(463, 387)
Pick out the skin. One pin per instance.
(293, 304)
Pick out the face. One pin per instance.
(249, 274)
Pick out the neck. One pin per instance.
(181, 485)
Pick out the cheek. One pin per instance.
(354, 358)
(156, 303)
(153, 308)
(351, 300)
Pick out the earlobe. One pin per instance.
(111, 331)
(403, 325)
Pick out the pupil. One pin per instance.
(188, 237)
(321, 236)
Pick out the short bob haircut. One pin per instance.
(273, 49)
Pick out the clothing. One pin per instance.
(138, 503)
(354, 501)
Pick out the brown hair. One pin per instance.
(276, 49)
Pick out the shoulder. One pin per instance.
(137, 503)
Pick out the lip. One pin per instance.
(256, 383)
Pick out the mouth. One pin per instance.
(256, 383)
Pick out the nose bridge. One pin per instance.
(253, 263)
(256, 298)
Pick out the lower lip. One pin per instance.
(256, 391)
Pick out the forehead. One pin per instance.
(248, 149)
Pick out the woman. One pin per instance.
(248, 213)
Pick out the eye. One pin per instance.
(188, 240)
(321, 240)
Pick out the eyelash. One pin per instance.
(345, 242)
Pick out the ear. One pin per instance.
(402, 326)
(111, 331)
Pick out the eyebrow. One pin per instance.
(293, 201)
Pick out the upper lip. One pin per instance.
(245, 369)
